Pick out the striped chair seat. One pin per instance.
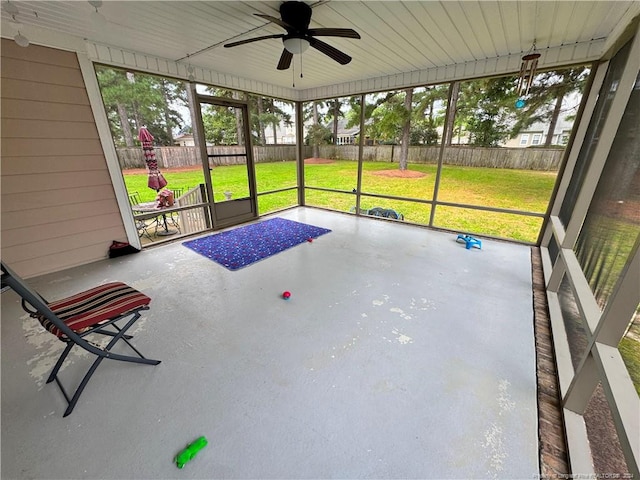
(86, 313)
(94, 306)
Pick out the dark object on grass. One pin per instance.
(381, 212)
(118, 249)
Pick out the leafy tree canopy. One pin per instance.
(549, 89)
(133, 100)
(486, 109)
(219, 125)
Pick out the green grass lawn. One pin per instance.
(630, 352)
(504, 188)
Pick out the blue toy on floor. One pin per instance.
(470, 241)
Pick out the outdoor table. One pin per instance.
(153, 207)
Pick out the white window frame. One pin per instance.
(601, 361)
(524, 139)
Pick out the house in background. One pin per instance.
(347, 136)
(285, 134)
(184, 140)
(536, 135)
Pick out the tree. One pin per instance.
(114, 88)
(425, 119)
(236, 112)
(278, 115)
(486, 110)
(317, 133)
(240, 140)
(334, 114)
(406, 129)
(173, 93)
(260, 120)
(219, 125)
(133, 100)
(545, 100)
(388, 117)
(265, 112)
(392, 121)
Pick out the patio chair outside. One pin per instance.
(141, 225)
(89, 312)
(174, 217)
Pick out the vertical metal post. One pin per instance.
(360, 152)
(200, 142)
(452, 101)
(248, 148)
(300, 153)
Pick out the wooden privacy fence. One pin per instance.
(176, 157)
(499, 157)
(517, 158)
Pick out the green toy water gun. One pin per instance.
(190, 452)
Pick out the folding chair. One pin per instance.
(88, 312)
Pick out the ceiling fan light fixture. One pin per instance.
(295, 45)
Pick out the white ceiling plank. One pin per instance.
(493, 19)
(336, 14)
(407, 41)
(384, 41)
(467, 26)
(434, 20)
(509, 15)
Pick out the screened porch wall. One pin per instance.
(591, 253)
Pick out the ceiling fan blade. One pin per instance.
(285, 59)
(275, 20)
(340, 57)
(250, 40)
(333, 32)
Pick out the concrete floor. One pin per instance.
(399, 355)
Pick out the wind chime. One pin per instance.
(528, 69)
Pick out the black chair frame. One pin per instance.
(72, 338)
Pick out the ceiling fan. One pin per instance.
(295, 19)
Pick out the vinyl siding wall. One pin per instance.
(57, 201)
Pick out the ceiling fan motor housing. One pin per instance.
(295, 18)
(297, 15)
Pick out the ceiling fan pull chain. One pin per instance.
(301, 66)
(293, 73)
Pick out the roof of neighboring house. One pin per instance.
(342, 130)
(184, 135)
